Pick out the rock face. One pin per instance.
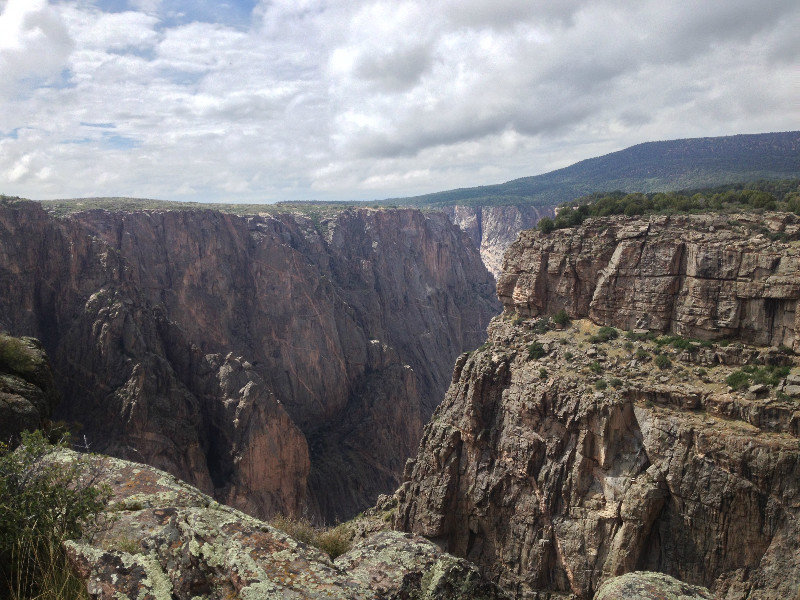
(560, 459)
(240, 353)
(167, 540)
(643, 585)
(494, 228)
(704, 276)
(28, 393)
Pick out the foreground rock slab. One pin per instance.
(644, 585)
(167, 540)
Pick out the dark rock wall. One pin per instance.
(216, 347)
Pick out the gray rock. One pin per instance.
(644, 585)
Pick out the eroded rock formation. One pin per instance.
(494, 228)
(239, 353)
(707, 276)
(560, 459)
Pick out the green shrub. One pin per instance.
(43, 503)
(628, 345)
(561, 318)
(663, 362)
(604, 334)
(542, 325)
(568, 355)
(615, 382)
(641, 354)
(542, 373)
(600, 384)
(517, 320)
(536, 351)
(596, 367)
(546, 225)
(738, 380)
(15, 356)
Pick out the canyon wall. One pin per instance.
(254, 357)
(704, 276)
(561, 458)
(494, 228)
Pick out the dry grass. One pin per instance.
(334, 541)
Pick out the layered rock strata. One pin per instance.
(167, 540)
(494, 228)
(706, 276)
(561, 458)
(242, 353)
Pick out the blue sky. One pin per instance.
(328, 99)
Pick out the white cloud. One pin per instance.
(335, 99)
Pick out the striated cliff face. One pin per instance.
(494, 228)
(561, 458)
(706, 276)
(241, 353)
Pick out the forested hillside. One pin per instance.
(649, 167)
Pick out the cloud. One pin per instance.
(331, 99)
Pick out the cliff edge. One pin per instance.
(567, 453)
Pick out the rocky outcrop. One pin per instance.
(556, 473)
(703, 276)
(28, 393)
(644, 585)
(562, 457)
(494, 228)
(240, 353)
(167, 540)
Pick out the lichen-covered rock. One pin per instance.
(706, 276)
(398, 565)
(166, 540)
(645, 585)
(28, 393)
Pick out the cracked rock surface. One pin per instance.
(166, 540)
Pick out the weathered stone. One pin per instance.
(28, 393)
(168, 541)
(644, 585)
(663, 273)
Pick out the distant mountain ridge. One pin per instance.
(647, 167)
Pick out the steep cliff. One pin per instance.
(238, 353)
(494, 228)
(707, 276)
(564, 456)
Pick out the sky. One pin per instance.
(266, 100)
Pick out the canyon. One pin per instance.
(567, 454)
(493, 229)
(277, 363)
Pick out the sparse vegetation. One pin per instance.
(754, 375)
(596, 367)
(600, 384)
(663, 362)
(335, 541)
(536, 351)
(43, 503)
(568, 355)
(542, 373)
(15, 356)
(642, 354)
(604, 334)
(542, 325)
(561, 318)
(615, 382)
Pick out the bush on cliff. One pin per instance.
(334, 541)
(43, 503)
(15, 356)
